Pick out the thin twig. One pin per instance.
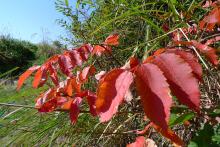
(17, 105)
(104, 130)
(62, 110)
(161, 36)
(116, 130)
(12, 112)
(211, 36)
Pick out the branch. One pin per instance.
(62, 110)
(197, 53)
(211, 36)
(17, 105)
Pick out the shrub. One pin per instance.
(15, 53)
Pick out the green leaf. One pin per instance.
(215, 113)
(216, 138)
(204, 137)
(192, 144)
(181, 119)
(67, 3)
(179, 109)
(173, 117)
(8, 72)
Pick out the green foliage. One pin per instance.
(207, 136)
(15, 53)
(18, 124)
(175, 119)
(140, 21)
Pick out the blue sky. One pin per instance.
(30, 20)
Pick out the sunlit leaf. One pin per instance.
(112, 40)
(40, 77)
(180, 78)
(25, 75)
(139, 142)
(111, 92)
(191, 60)
(155, 93)
(74, 109)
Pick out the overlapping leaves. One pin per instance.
(171, 71)
(66, 62)
(167, 73)
(67, 95)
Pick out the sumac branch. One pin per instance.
(171, 71)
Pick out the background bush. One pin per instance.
(16, 53)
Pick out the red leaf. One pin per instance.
(74, 109)
(65, 64)
(213, 40)
(69, 87)
(191, 60)
(213, 16)
(40, 77)
(91, 99)
(133, 62)
(75, 57)
(52, 59)
(207, 4)
(210, 20)
(48, 106)
(72, 86)
(25, 75)
(43, 97)
(180, 78)
(209, 52)
(139, 142)
(100, 75)
(86, 72)
(112, 40)
(159, 51)
(187, 43)
(84, 52)
(165, 27)
(168, 133)
(111, 91)
(98, 50)
(149, 59)
(82, 94)
(207, 26)
(128, 96)
(53, 74)
(76, 86)
(177, 36)
(51, 102)
(155, 94)
(47, 101)
(44, 76)
(67, 105)
(88, 47)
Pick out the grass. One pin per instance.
(26, 127)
